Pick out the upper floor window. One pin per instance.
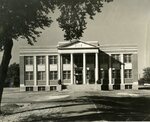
(40, 59)
(29, 60)
(41, 75)
(53, 59)
(127, 58)
(66, 59)
(28, 75)
(53, 75)
(116, 56)
(127, 73)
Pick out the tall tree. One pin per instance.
(20, 19)
(23, 19)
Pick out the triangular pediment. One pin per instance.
(77, 44)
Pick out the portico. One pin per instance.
(83, 64)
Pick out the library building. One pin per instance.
(83, 64)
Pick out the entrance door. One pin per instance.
(91, 76)
(116, 78)
(78, 68)
(78, 76)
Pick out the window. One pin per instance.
(128, 86)
(66, 74)
(66, 59)
(53, 59)
(53, 75)
(116, 56)
(127, 73)
(41, 88)
(29, 60)
(127, 58)
(29, 88)
(41, 60)
(28, 75)
(41, 75)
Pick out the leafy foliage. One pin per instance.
(74, 13)
(22, 18)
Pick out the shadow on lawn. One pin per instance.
(108, 108)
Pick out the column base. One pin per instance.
(98, 87)
(110, 87)
(47, 88)
(122, 86)
(22, 88)
(135, 86)
(59, 88)
(35, 88)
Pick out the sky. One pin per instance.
(122, 22)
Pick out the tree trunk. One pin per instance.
(4, 65)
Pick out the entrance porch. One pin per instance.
(83, 68)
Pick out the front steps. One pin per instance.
(85, 87)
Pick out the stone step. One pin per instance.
(85, 87)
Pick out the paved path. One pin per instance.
(78, 108)
(106, 106)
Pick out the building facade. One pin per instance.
(78, 63)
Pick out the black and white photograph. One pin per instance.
(74, 60)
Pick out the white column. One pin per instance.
(110, 71)
(110, 74)
(122, 70)
(84, 68)
(47, 71)
(35, 70)
(59, 67)
(72, 79)
(96, 67)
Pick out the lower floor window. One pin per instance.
(28, 75)
(53, 75)
(66, 74)
(41, 75)
(127, 73)
(29, 88)
(41, 88)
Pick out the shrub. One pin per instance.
(146, 74)
(59, 82)
(141, 81)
